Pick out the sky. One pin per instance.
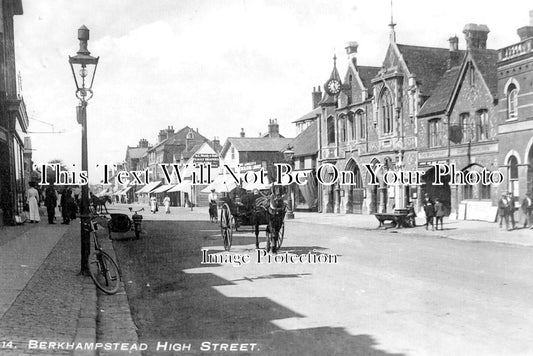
(214, 65)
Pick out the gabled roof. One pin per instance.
(256, 144)
(427, 63)
(438, 102)
(366, 73)
(192, 151)
(136, 152)
(180, 137)
(485, 61)
(309, 116)
(305, 144)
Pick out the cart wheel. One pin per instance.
(280, 236)
(226, 226)
(268, 240)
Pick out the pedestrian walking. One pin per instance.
(166, 203)
(429, 210)
(439, 214)
(527, 208)
(32, 197)
(50, 201)
(503, 210)
(153, 205)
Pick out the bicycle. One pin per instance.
(103, 269)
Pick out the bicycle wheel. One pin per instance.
(104, 272)
(226, 226)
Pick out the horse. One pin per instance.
(272, 209)
(213, 212)
(98, 203)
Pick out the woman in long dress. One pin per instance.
(153, 205)
(32, 196)
(166, 203)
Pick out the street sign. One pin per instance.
(207, 158)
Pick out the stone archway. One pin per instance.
(529, 174)
(356, 192)
(376, 193)
(441, 192)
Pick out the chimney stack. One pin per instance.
(351, 51)
(143, 143)
(242, 132)
(273, 128)
(317, 97)
(455, 55)
(476, 36)
(162, 136)
(216, 144)
(527, 31)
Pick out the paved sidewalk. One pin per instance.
(43, 298)
(467, 230)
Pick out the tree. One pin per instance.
(50, 169)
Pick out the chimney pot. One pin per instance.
(476, 36)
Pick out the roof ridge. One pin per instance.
(428, 47)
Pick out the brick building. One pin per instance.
(515, 113)
(13, 120)
(458, 125)
(263, 151)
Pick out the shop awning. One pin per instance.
(184, 186)
(103, 192)
(222, 183)
(124, 191)
(163, 188)
(148, 188)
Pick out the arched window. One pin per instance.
(482, 125)
(468, 128)
(351, 127)
(331, 130)
(386, 111)
(342, 128)
(512, 163)
(512, 102)
(360, 118)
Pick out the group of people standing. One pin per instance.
(506, 209)
(434, 210)
(67, 204)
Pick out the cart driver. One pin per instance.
(212, 197)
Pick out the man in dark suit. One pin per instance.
(503, 210)
(50, 201)
(429, 210)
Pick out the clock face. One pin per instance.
(333, 86)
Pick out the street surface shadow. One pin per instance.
(169, 305)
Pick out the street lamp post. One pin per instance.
(83, 67)
(289, 158)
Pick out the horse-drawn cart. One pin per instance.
(254, 210)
